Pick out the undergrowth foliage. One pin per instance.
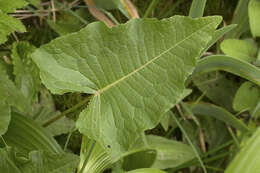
(136, 94)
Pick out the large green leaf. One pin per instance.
(11, 5)
(8, 25)
(136, 72)
(5, 116)
(37, 162)
(254, 15)
(247, 160)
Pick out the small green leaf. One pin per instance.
(131, 58)
(247, 160)
(170, 153)
(254, 16)
(8, 6)
(8, 25)
(5, 116)
(241, 49)
(246, 98)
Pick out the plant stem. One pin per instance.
(75, 107)
(191, 144)
(150, 8)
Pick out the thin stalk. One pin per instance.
(150, 8)
(191, 144)
(88, 156)
(4, 141)
(234, 137)
(214, 168)
(75, 107)
(68, 138)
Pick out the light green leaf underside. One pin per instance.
(8, 25)
(8, 6)
(5, 116)
(99, 159)
(254, 15)
(247, 160)
(136, 72)
(170, 153)
(37, 162)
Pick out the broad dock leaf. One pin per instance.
(135, 71)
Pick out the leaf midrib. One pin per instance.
(98, 92)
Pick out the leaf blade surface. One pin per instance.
(136, 72)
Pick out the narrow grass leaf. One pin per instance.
(229, 64)
(197, 8)
(220, 114)
(254, 15)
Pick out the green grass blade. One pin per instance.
(197, 8)
(220, 114)
(229, 64)
(150, 8)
